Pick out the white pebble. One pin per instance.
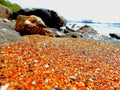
(33, 82)
(46, 66)
(46, 80)
(4, 87)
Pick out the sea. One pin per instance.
(100, 27)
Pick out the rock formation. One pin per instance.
(33, 25)
(50, 17)
(85, 32)
(30, 25)
(88, 31)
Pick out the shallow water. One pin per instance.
(102, 28)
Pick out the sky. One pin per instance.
(96, 10)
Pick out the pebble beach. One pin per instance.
(42, 50)
(48, 63)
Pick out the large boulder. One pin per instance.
(30, 25)
(34, 25)
(88, 31)
(50, 17)
(4, 12)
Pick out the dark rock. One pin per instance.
(70, 29)
(115, 35)
(55, 32)
(50, 17)
(73, 35)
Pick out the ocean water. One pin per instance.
(100, 27)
